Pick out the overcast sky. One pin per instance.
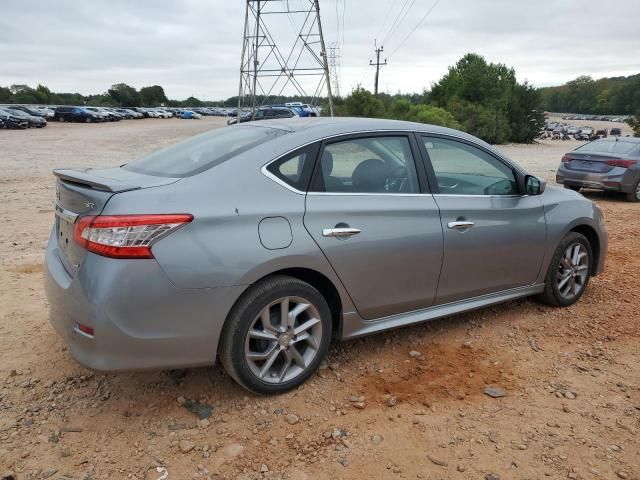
(192, 47)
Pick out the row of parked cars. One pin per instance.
(602, 118)
(559, 131)
(26, 116)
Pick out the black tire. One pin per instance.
(572, 187)
(61, 119)
(88, 120)
(634, 195)
(241, 318)
(551, 295)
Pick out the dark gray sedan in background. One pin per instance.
(610, 164)
(262, 242)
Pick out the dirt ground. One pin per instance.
(374, 411)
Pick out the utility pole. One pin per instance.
(378, 65)
(333, 58)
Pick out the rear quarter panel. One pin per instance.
(222, 246)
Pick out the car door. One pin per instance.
(494, 237)
(370, 213)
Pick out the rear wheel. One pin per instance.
(87, 120)
(276, 335)
(634, 195)
(569, 271)
(61, 119)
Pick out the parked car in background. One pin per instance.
(104, 115)
(11, 120)
(47, 112)
(28, 109)
(601, 133)
(610, 164)
(585, 134)
(261, 243)
(76, 114)
(615, 132)
(265, 113)
(32, 120)
(189, 114)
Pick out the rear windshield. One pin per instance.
(608, 146)
(203, 151)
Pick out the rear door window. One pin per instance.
(376, 164)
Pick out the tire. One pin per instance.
(61, 119)
(572, 187)
(87, 120)
(562, 268)
(268, 361)
(634, 195)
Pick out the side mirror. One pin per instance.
(534, 185)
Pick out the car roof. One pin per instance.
(320, 127)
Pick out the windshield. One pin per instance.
(203, 151)
(608, 146)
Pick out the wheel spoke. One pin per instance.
(257, 356)
(262, 335)
(265, 317)
(573, 286)
(284, 314)
(297, 310)
(269, 363)
(307, 337)
(295, 356)
(582, 268)
(575, 256)
(306, 326)
(565, 278)
(285, 367)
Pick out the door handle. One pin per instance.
(340, 232)
(460, 225)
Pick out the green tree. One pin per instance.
(361, 103)
(124, 95)
(634, 123)
(152, 96)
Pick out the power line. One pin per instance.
(386, 17)
(394, 30)
(415, 28)
(395, 22)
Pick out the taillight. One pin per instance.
(566, 158)
(125, 236)
(621, 163)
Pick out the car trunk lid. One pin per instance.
(86, 191)
(593, 163)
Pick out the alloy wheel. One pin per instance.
(573, 271)
(283, 339)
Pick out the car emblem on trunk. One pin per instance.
(90, 205)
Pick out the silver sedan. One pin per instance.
(261, 243)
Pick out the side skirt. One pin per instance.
(353, 326)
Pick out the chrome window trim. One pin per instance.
(372, 194)
(284, 184)
(477, 196)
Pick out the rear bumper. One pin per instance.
(140, 319)
(617, 180)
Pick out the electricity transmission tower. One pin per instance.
(273, 64)
(334, 67)
(377, 64)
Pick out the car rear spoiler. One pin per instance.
(85, 178)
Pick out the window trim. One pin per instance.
(307, 170)
(421, 175)
(433, 183)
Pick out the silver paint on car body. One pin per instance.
(169, 311)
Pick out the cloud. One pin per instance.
(192, 47)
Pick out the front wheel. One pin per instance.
(569, 271)
(634, 195)
(276, 335)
